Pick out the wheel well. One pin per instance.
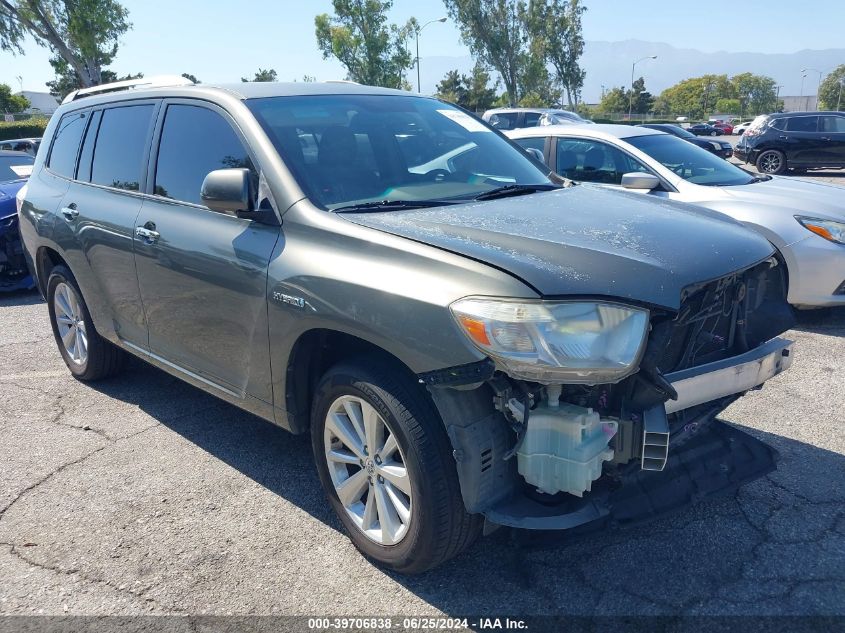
(314, 353)
(45, 260)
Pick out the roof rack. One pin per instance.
(341, 81)
(158, 81)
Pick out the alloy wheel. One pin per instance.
(770, 162)
(70, 323)
(368, 470)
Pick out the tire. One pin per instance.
(714, 134)
(771, 161)
(433, 525)
(88, 355)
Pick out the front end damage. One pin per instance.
(14, 274)
(560, 456)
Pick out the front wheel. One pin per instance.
(771, 161)
(714, 134)
(85, 352)
(386, 465)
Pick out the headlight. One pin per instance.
(556, 341)
(715, 145)
(828, 229)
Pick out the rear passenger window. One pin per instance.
(119, 152)
(832, 124)
(194, 142)
(83, 172)
(802, 124)
(66, 143)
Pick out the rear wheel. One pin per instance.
(714, 133)
(85, 352)
(387, 468)
(771, 161)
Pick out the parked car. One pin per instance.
(723, 149)
(794, 140)
(725, 128)
(704, 129)
(804, 220)
(14, 170)
(739, 128)
(28, 145)
(514, 118)
(479, 341)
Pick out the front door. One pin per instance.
(203, 274)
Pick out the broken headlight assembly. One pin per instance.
(586, 342)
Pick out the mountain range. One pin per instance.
(608, 64)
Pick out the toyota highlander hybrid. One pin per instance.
(470, 340)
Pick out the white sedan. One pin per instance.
(805, 220)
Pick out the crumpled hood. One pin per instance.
(586, 240)
(8, 207)
(794, 195)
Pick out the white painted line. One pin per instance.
(33, 374)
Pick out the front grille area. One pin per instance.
(723, 318)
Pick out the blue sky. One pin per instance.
(222, 41)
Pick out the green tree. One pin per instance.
(642, 100)
(84, 34)
(67, 80)
(191, 77)
(263, 74)
(358, 36)
(555, 26)
(11, 103)
(695, 97)
(451, 88)
(480, 95)
(614, 100)
(497, 35)
(832, 90)
(729, 106)
(757, 94)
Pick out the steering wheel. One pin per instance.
(680, 169)
(438, 175)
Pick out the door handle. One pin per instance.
(783, 136)
(149, 234)
(70, 212)
(825, 138)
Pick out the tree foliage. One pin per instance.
(832, 90)
(191, 77)
(263, 74)
(617, 100)
(11, 103)
(472, 92)
(745, 94)
(358, 36)
(67, 80)
(83, 34)
(555, 29)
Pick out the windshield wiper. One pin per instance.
(390, 205)
(513, 190)
(761, 178)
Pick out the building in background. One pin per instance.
(807, 103)
(40, 102)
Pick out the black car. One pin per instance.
(722, 149)
(703, 129)
(794, 140)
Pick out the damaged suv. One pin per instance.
(470, 341)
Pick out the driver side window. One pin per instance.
(587, 160)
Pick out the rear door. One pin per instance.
(98, 212)
(832, 136)
(203, 277)
(801, 140)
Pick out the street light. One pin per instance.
(818, 87)
(633, 66)
(417, 33)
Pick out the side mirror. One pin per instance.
(536, 153)
(640, 180)
(227, 191)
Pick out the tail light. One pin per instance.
(20, 197)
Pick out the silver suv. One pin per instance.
(466, 337)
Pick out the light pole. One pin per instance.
(417, 33)
(633, 66)
(801, 96)
(818, 87)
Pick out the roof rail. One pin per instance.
(341, 81)
(158, 81)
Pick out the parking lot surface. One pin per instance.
(142, 494)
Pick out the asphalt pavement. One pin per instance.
(143, 495)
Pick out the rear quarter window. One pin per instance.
(66, 140)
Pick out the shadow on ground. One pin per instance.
(830, 321)
(776, 547)
(20, 298)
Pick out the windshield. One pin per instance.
(14, 167)
(689, 161)
(346, 150)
